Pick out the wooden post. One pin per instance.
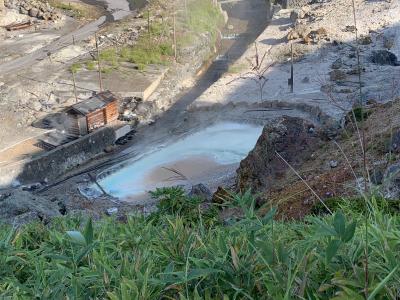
(291, 80)
(175, 47)
(148, 24)
(74, 81)
(73, 40)
(186, 11)
(98, 63)
(94, 180)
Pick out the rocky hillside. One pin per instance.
(295, 165)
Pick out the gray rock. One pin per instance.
(384, 57)
(296, 14)
(23, 11)
(306, 80)
(201, 191)
(36, 105)
(4, 196)
(333, 164)
(33, 12)
(21, 207)
(365, 40)
(263, 169)
(395, 142)
(337, 64)
(350, 28)
(376, 177)
(337, 75)
(391, 182)
(388, 42)
(26, 218)
(111, 211)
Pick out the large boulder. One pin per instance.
(384, 57)
(391, 182)
(19, 207)
(201, 191)
(295, 139)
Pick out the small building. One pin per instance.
(93, 113)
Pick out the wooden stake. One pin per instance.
(98, 63)
(93, 178)
(291, 69)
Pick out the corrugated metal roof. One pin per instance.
(94, 103)
(106, 96)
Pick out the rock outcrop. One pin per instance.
(384, 57)
(293, 138)
(20, 207)
(391, 182)
(33, 8)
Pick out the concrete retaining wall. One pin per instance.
(57, 162)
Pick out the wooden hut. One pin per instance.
(93, 113)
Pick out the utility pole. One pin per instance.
(186, 11)
(175, 48)
(98, 63)
(148, 24)
(291, 79)
(74, 81)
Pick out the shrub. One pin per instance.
(176, 256)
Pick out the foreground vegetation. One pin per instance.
(184, 252)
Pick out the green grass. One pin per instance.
(156, 46)
(184, 252)
(203, 16)
(91, 65)
(77, 10)
(75, 67)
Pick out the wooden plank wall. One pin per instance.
(72, 125)
(95, 120)
(111, 112)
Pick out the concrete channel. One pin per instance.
(247, 19)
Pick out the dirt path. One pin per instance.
(116, 11)
(314, 61)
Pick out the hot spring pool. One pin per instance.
(193, 157)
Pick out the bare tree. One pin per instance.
(257, 73)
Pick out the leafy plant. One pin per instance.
(173, 254)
